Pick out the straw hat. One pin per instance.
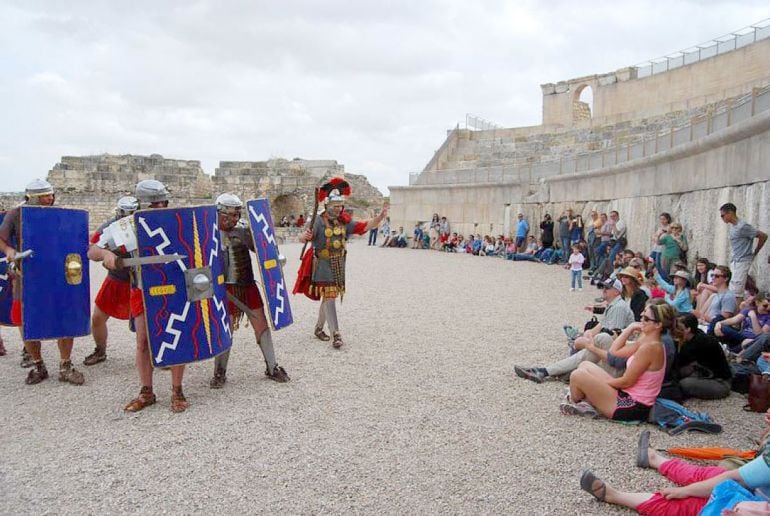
(632, 273)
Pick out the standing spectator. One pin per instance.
(742, 235)
(564, 237)
(605, 238)
(657, 249)
(372, 235)
(417, 242)
(592, 238)
(522, 228)
(576, 229)
(672, 244)
(433, 230)
(546, 231)
(385, 230)
(576, 260)
(618, 235)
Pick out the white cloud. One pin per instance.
(373, 85)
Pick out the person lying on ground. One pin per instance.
(696, 483)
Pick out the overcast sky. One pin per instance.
(373, 85)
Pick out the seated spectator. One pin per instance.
(461, 244)
(616, 316)
(450, 243)
(704, 272)
(400, 239)
(389, 239)
(425, 240)
(477, 245)
(301, 221)
(632, 279)
(696, 482)
(701, 365)
(630, 396)
(489, 246)
(500, 247)
(753, 322)
(529, 253)
(722, 304)
(679, 293)
(417, 240)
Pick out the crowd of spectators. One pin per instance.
(660, 330)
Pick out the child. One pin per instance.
(575, 261)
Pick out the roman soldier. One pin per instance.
(113, 297)
(150, 194)
(237, 243)
(322, 273)
(37, 193)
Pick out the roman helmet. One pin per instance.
(334, 192)
(229, 203)
(126, 206)
(37, 189)
(150, 191)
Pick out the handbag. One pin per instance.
(759, 393)
(591, 323)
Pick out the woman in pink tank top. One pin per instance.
(631, 396)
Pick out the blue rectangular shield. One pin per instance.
(6, 293)
(273, 282)
(185, 301)
(55, 280)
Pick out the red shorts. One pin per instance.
(136, 302)
(114, 297)
(16, 312)
(251, 297)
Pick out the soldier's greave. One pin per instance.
(321, 315)
(220, 362)
(266, 345)
(330, 309)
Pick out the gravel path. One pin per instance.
(418, 413)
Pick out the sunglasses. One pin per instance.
(719, 276)
(648, 319)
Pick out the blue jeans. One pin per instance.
(565, 241)
(601, 255)
(763, 365)
(617, 248)
(373, 236)
(732, 338)
(577, 275)
(521, 257)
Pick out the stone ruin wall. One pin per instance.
(95, 183)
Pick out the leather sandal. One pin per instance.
(219, 379)
(99, 355)
(69, 374)
(321, 335)
(278, 374)
(587, 480)
(178, 401)
(337, 342)
(37, 374)
(145, 399)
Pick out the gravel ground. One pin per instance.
(418, 413)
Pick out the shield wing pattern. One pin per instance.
(185, 301)
(273, 282)
(55, 280)
(6, 294)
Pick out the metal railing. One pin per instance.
(652, 143)
(715, 47)
(476, 123)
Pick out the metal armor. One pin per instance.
(238, 270)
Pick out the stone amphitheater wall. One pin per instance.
(621, 95)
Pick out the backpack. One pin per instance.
(672, 416)
(741, 374)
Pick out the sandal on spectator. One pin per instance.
(587, 480)
(529, 374)
(642, 456)
(145, 399)
(571, 332)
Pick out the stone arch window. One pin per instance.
(286, 205)
(582, 103)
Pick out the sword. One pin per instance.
(122, 263)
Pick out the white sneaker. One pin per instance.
(572, 290)
(580, 289)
